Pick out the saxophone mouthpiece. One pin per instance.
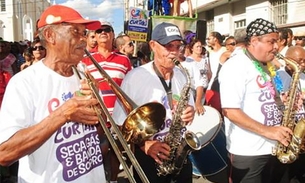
(176, 61)
(81, 67)
(279, 56)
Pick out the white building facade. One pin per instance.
(227, 16)
(18, 18)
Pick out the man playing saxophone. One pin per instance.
(250, 102)
(159, 81)
(297, 54)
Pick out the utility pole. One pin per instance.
(126, 3)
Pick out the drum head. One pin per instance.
(206, 126)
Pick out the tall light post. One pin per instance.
(126, 9)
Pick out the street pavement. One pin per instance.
(123, 179)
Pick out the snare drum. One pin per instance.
(212, 156)
(206, 126)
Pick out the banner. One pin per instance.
(184, 23)
(138, 24)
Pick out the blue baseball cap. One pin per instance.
(165, 33)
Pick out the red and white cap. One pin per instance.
(62, 14)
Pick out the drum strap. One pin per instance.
(168, 88)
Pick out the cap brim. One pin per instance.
(170, 39)
(90, 24)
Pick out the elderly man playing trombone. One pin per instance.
(43, 124)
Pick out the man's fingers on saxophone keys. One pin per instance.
(285, 141)
(158, 159)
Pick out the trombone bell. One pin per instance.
(143, 122)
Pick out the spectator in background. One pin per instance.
(189, 36)
(29, 58)
(7, 59)
(17, 49)
(175, 9)
(299, 38)
(116, 66)
(91, 40)
(240, 36)
(290, 37)
(214, 41)
(282, 48)
(202, 67)
(38, 51)
(230, 44)
(159, 7)
(143, 54)
(124, 45)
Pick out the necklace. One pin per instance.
(275, 78)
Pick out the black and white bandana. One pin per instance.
(260, 27)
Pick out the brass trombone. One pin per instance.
(141, 123)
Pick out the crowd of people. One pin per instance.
(50, 131)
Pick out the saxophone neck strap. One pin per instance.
(167, 88)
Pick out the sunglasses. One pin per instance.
(38, 48)
(130, 44)
(107, 30)
(299, 38)
(232, 44)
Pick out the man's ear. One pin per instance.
(49, 35)
(253, 40)
(152, 45)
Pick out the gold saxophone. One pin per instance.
(179, 147)
(290, 153)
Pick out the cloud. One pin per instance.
(107, 10)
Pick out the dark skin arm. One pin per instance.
(27, 140)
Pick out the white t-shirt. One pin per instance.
(243, 87)
(143, 85)
(214, 57)
(72, 154)
(193, 72)
(201, 68)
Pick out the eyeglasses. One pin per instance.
(38, 48)
(232, 44)
(299, 38)
(107, 30)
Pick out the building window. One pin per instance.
(3, 6)
(240, 24)
(279, 11)
(210, 25)
(210, 20)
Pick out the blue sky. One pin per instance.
(103, 10)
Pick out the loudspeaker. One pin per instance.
(201, 30)
(149, 28)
